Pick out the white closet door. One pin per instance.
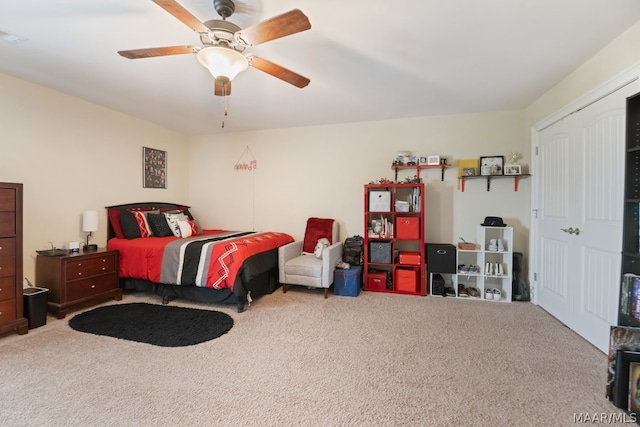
(599, 203)
(556, 192)
(582, 177)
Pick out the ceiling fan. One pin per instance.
(224, 43)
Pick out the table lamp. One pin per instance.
(89, 225)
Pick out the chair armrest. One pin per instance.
(330, 256)
(285, 253)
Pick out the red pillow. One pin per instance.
(317, 228)
(114, 219)
(142, 223)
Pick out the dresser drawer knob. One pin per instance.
(79, 274)
(0, 248)
(93, 286)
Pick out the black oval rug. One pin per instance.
(162, 325)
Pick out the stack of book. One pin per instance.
(630, 295)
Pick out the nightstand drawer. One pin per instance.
(7, 288)
(79, 289)
(77, 269)
(7, 310)
(7, 223)
(7, 266)
(7, 246)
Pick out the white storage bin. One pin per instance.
(379, 201)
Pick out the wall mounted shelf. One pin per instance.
(442, 168)
(516, 179)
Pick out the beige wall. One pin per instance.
(73, 156)
(320, 171)
(620, 55)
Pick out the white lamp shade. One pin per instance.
(90, 221)
(223, 63)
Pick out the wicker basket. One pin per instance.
(467, 246)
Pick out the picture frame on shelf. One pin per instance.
(423, 160)
(491, 165)
(512, 170)
(622, 339)
(634, 388)
(433, 160)
(622, 380)
(154, 168)
(469, 172)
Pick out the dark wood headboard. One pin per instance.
(163, 206)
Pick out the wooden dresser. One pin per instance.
(11, 316)
(75, 280)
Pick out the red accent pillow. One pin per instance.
(142, 223)
(317, 228)
(194, 227)
(114, 219)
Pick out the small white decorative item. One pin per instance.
(512, 158)
(433, 160)
(404, 158)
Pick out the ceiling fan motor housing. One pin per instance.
(225, 8)
(221, 33)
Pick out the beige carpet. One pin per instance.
(296, 359)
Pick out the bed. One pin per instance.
(164, 250)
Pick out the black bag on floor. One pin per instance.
(520, 290)
(353, 250)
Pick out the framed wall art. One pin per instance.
(512, 170)
(433, 160)
(491, 165)
(154, 164)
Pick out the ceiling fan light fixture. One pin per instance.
(223, 63)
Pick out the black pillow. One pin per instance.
(158, 225)
(129, 225)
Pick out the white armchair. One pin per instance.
(299, 266)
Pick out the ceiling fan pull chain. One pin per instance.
(224, 103)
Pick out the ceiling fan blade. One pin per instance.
(183, 15)
(220, 89)
(286, 24)
(277, 71)
(157, 51)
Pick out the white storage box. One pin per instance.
(379, 201)
(402, 206)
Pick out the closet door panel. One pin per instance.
(555, 174)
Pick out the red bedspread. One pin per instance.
(211, 260)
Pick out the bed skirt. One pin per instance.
(262, 284)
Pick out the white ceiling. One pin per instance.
(367, 60)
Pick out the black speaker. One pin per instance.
(519, 288)
(437, 285)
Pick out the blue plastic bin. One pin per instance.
(347, 283)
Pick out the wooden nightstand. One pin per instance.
(75, 280)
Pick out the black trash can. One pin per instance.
(35, 306)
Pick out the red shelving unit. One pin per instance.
(394, 254)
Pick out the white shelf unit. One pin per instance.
(483, 255)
